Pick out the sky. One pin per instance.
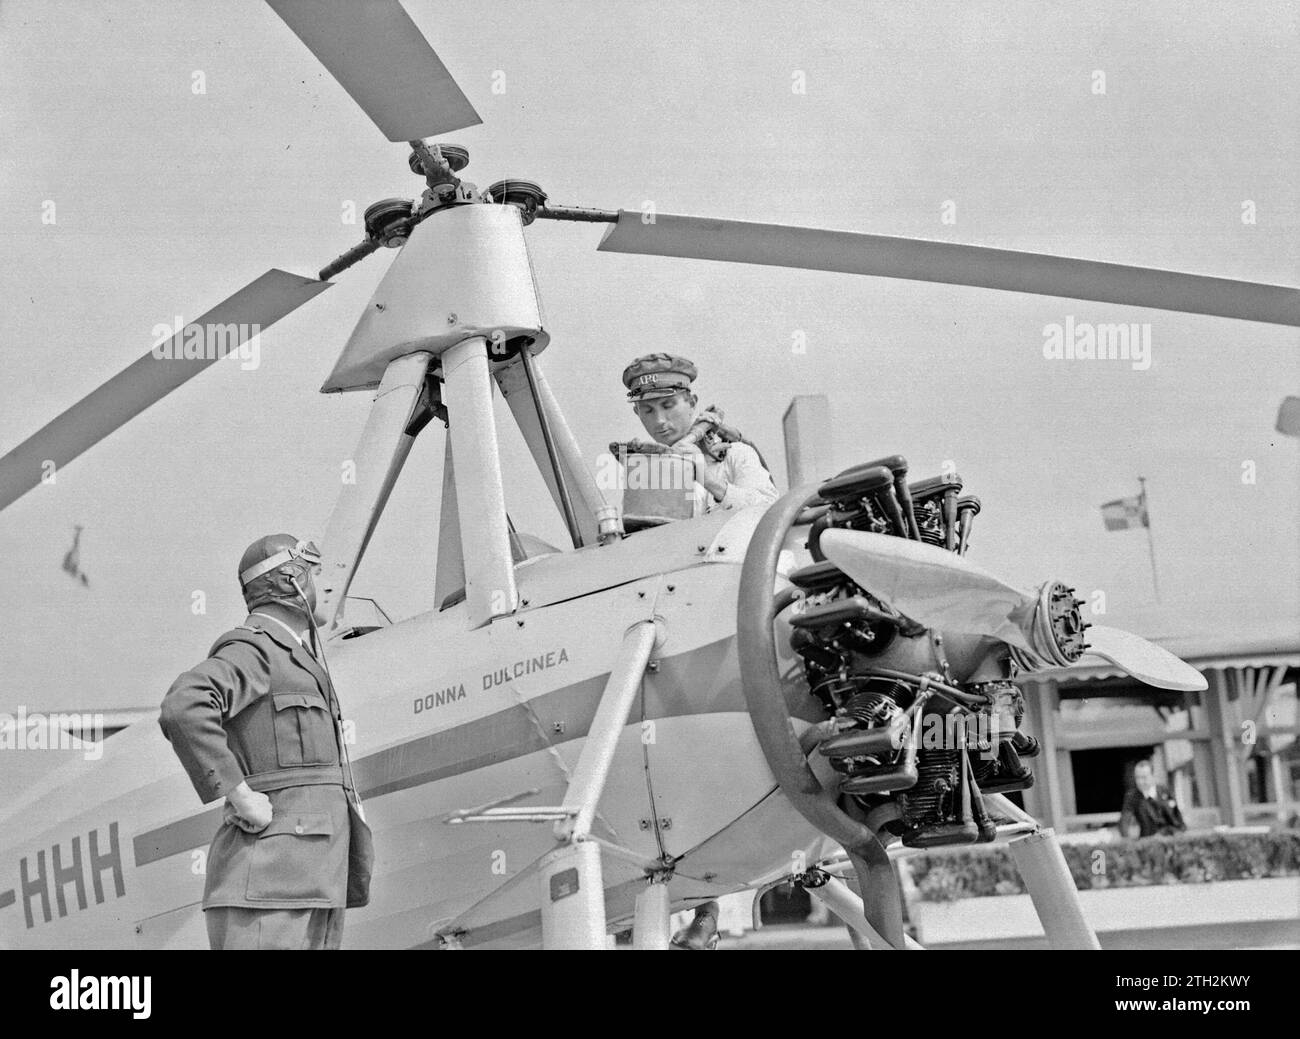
(1158, 134)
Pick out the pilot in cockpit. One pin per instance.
(729, 471)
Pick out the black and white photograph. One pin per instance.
(673, 476)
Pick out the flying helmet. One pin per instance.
(267, 554)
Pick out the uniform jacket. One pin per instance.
(1158, 814)
(748, 483)
(258, 709)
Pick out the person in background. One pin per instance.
(1149, 809)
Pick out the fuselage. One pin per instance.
(111, 852)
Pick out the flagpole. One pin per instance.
(1151, 542)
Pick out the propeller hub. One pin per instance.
(1057, 628)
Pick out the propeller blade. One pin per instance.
(382, 59)
(942, 590)
(1143, 660)
(886, 256)
(257, 306)
(930, 585)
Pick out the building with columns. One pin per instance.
(1229, 754)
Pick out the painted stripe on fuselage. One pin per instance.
(174, 838)
(477, 744)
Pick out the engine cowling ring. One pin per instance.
(765, 699)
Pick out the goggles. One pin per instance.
(305, 552)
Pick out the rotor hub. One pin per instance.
(523, 194)
(389, 221)
(456, 158)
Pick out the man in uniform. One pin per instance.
(659, 387)
(255, 723)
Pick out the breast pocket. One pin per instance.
(289, 859)
(304, 731)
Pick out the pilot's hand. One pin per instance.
(248, 809)
(691, 451)
(716, 487)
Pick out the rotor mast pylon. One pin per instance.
(461, 293)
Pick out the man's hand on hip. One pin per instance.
(248, 809)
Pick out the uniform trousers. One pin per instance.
(233, 927)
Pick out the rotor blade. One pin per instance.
(382, 59)
(257, 306)
(1144, 660)
(932, 586)
(916, 259)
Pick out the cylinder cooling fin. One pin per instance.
(924, 720)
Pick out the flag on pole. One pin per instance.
(1125, 513)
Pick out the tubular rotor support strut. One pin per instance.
(572, 894)
(573, 890)
(1047, 878)
(380, 454)
(651, 928)
(490, 588)
(562, 489)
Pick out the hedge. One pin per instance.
(972, 872)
